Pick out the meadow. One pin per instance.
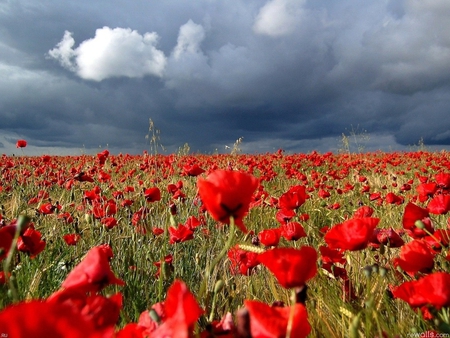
(225, 245)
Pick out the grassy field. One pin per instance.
(148, 209)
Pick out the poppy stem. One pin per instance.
(291, 314)
(21, 224)
(218, 258)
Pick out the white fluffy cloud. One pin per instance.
(111, 53)
(189, 39)
(187, 61)
(278, 17)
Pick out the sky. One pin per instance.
(82, 76)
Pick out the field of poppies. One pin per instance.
(225, 245)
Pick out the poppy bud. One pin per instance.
(218, 286)
(419, 224)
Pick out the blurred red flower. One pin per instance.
(31, 242)
(47, 319)
(71, 239)
(103, 312)
(392, 198)
(292, 231)
(166, 263)
(152, 194)
(332, 255)
(21, 143)
(443, 180)
(227, 193)
(285, 215)
(433, 289)
(291, 267)
(269, 237)
(416, 256)
(411, 215)
(47, 208)
(272, 321)
(93, 273)
(293, 198)
(439, 205)
(354, 234)
(388, 237)
(242, 262)
(182, 312)
(192, 170)
(180, 234)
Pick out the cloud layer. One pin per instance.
(291, 74)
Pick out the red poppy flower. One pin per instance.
(392, 198)
(30, 242)
(67, 217)
(387, 237)
(71, 239)
(46, 319)
(363, 211)
(443, 180)
(166, 262)
(272, 321)
(226, 194)
(224, 328)
(292, 267)
(21, 143)
(292, 231)
(411, 215)
(180, 234)
(332, 255)
(269, 237)
(285, 215)
(439, 205)
(433, 289)
(192, 170)
(324, 193)
(426, 190)
(182, 312)
(416, 256)
(441, 235)
(192, 222)
(102, 156)
(354, 234)
(109, 222)
(93, 273)
(242, 262)
(293, 198)
(152, 194)
(103, 312)
(83, 177)
(47, 208)
(157, 231)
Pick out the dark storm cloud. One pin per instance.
(291, 74)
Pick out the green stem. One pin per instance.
(218, 258)
(21, 224)
(291, 314)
